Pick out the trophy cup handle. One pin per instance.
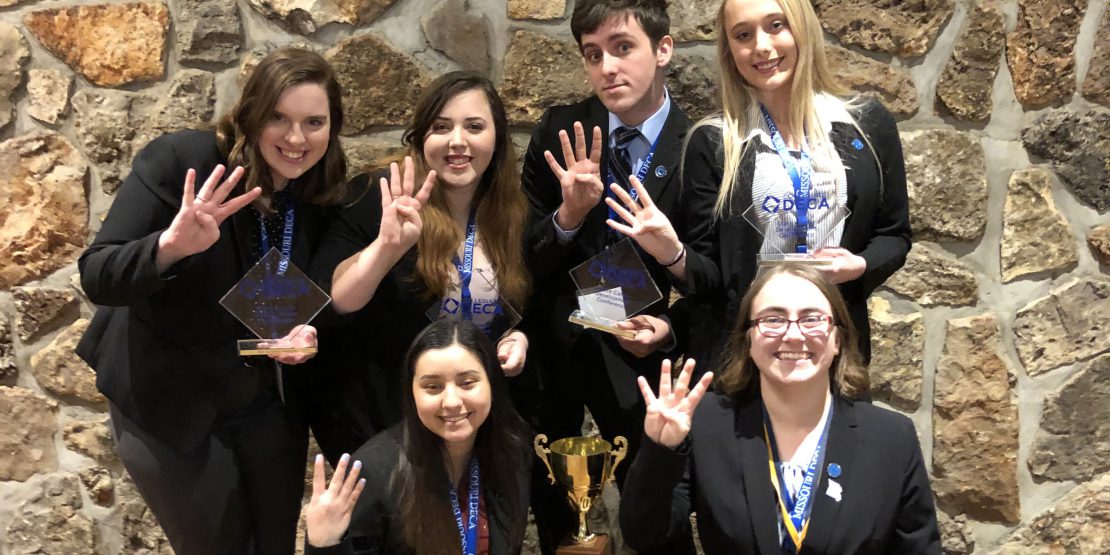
(618, 453)
(540, 444)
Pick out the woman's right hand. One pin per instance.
(328, 514)
(197, 224)
(669, 415)
(401, 222)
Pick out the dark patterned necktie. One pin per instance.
(620, 161)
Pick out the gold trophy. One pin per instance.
(582, 465)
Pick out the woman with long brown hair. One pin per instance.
(439, 236)
(209, 437)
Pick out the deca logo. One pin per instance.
(773, 204)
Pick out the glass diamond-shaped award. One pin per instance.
(613, 286)
(274, 300)
(776, 220)
(492, 314)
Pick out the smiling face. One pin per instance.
(762, 44)
(793, 357)
(461, 141)
(452, 393)
(622, 67)
(297, 135)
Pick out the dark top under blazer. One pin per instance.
(722, 474)
(163, 348)
(375, 527)
(721, 259)
(551, 261)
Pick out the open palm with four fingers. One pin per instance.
(328, 513)
(197, 223)
(644, 222)
(669, 415)
(580, 181)
(401, 205)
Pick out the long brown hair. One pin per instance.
(502, 207)
(847, 373)
(501, 446)
(238, 131)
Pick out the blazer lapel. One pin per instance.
(668, 152)
(595, 220)
(241, 224)
(824, 521)
(757, 476)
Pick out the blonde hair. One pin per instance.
(740, 113)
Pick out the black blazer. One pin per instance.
(550, 261)
(722, 474)
(721, 254)
(375, 527)
(163, 348)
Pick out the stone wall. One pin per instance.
(992, 338)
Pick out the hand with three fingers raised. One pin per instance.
(645, 223)
(401, 205)
(197, 223)
(580, 181)
(328, 513)
(669, 415)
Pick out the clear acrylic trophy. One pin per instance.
(274, 300)
(492, 314)
(613, 286)
(775, 219)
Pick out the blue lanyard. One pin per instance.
(466, 267)
(286, 237)
(801, 175)
(468, 531)
(796, 511)
(640, 175)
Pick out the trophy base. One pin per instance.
(599, 545)
(256, 347)
(791, 258)
(601, 324)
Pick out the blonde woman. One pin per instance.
(786, 129)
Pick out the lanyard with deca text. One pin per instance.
(801, 176)
(466, 266)
(286, 237)
(796, 510)
(468, 531)
(640, 175)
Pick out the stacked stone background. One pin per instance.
(993, 338)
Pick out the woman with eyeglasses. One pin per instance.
(780, 458)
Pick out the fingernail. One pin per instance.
(344, 458)
(319, 458)
(358, 464)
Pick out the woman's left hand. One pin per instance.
(303, 335)
(512, 350)
(843, 266)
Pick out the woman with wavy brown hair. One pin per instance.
(783, 457)
(439, 236)
(209, 437)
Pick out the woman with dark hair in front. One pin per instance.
(210, 438)
(782, 458)
(441, 234)
(452, 475)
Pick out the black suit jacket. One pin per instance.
(551, 261)
(375, 527)
(721, 253)
(722, 474)
(163, 348)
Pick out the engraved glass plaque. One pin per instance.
(776, 220)
(274, 300)
(492, 314)
(613, 286)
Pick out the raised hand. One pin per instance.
(651, 333)
(580, 181)
(512, 350)
(644, 222)
(196, 227)
(303, 335)
(843, 265)
(328, 514)
(401, 205)
(668, 416)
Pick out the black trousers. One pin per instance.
(575, 383)
(238, 494)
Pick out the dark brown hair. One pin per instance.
(238, 131)
(847, 373)
(502, 448)
(502, 207)
(588, 15)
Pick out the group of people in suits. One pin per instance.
(425, 373)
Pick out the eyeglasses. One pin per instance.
(812, 325)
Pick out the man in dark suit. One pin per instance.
(630, 127)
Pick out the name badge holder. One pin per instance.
(613, 286)
(493, 316)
